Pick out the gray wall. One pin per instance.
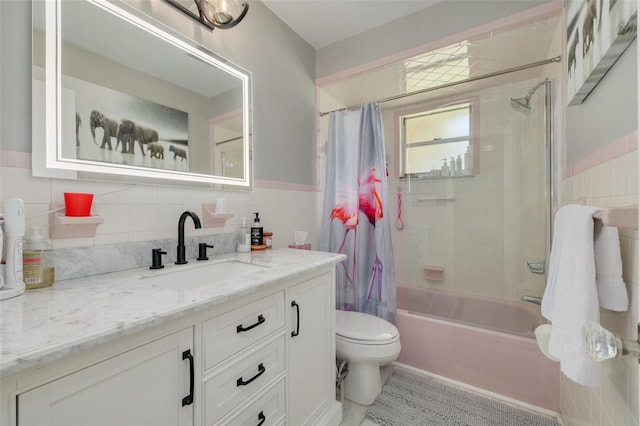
(282, 65)
(430, 24)
(15, 77)
(609, 112)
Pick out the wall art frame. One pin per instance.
(597, 33)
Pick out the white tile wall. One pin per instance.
(146, 212)
(616, 402)
(485, 236)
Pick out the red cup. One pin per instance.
(78, 204)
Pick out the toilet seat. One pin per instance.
(364, 329)
(367, 342)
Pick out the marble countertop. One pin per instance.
(47, 324)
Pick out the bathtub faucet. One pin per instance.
(532, 299)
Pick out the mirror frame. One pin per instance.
(53, 164)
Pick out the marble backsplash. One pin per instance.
(93, 260)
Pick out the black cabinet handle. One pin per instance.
(240, 328)
(262, 418)
(188, 400)
(295, 333)
(242, 382)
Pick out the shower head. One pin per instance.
(522, 104)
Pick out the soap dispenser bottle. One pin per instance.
(445, 168)
(244, 237)
(256, 233)
(37, 259)
(14, 227)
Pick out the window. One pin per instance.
(430, 138)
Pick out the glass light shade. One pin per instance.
(223, 13)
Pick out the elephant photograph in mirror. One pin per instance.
(124, 129)
(129, 99)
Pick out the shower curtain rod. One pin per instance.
(455, 83)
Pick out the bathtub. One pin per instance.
(499, 355)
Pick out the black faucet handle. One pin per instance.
(156, 258)
(202, 251)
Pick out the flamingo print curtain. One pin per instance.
(355, 220)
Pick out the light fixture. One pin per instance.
(213, 13)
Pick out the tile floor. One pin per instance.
(354, 414)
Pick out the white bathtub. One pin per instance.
(449, 342)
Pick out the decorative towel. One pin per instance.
(573, 297)
(612, 292)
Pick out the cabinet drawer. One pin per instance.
(145, 385)
(226, 334)
(233, 385)
(267, 410)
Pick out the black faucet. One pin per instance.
(196, 222)
(156, 258)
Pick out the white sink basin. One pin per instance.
(188, 277)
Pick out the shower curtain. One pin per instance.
(355, 220)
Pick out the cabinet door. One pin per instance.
(144, 386)
(311, 350)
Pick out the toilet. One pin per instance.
(366, 342)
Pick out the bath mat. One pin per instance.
(410, 399)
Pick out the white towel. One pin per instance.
(612, 292)
(571, 298)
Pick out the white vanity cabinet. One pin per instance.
(266, 357)
(293, 346)
(244, 356)
(311, 372)
(146, 385)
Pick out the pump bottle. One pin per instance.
(256, 234)
(14, 226)
(244, 237)
(38, 263)
(445, 168)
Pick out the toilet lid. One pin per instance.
(360, 326)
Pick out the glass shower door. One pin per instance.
(468, 238)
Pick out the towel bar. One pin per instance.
(620, 217)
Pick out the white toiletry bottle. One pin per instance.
(14, 227)
(459, 164)
(445, 169)
(467, 161)
(37, 260)
(452, 166)
(244, 237)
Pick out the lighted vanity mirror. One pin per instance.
(119, 96)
